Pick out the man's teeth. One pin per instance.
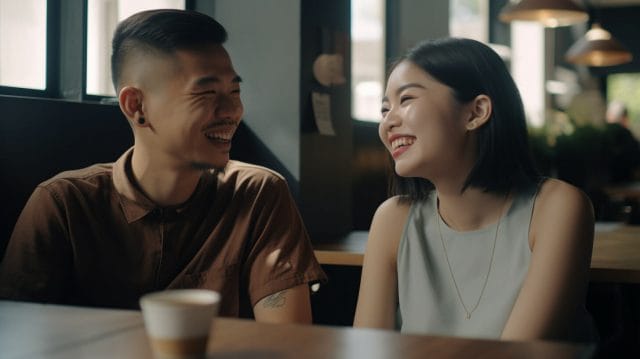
(224, 136)
(402, 141)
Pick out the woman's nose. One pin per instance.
(389, 120)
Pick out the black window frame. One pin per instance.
(66, 62)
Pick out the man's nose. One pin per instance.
(228, 107)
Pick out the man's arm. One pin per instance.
(37, 259)
(291, 305)
(281, 262)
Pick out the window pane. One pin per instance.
(102, 18)
(623, 93)
(470, 19)
(367, 58)
(23, 43)
(528, 68)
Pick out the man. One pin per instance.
(173, 211)
(617, 113)
(622, 147)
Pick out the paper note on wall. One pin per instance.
(322, 112)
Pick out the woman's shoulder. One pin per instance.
(558, 193)
(388, 223)
(396, 206)
(560, 209)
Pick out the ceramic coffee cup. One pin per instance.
(178, 322)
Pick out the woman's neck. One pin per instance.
(472, 209)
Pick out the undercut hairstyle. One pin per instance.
(164, 31)
(470, 68)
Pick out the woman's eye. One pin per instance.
(405, 98)
(384, 111)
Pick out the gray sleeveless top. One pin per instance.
(428, 301)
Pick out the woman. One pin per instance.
(474, 243)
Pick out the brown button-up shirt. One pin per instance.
(91, 237)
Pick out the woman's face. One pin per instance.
(423, 125)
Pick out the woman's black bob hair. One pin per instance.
(471, 68)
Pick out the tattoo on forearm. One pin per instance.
(277, 300)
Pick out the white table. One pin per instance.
(49, 331)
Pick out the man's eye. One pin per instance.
(210, 92)
(384, 111)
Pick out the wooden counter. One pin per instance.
(616, 252)
(29, 330)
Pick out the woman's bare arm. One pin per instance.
(377, 299)
(561, 239)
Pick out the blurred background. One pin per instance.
(576, 63)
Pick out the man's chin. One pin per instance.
(205, 166)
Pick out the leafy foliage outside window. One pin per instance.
(626, 89)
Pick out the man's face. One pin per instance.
(192, 104)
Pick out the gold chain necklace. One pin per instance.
(446, 256)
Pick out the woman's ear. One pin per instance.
(481, 109)
(130, 100)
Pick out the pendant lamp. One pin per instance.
(550, 13)
(598, 48)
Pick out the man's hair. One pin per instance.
(164, 31)
(470, 68)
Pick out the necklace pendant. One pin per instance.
(446, 257)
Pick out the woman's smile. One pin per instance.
(400, 144)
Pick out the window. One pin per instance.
(528, 69)
(29, 65)
(23, 43)
(469, 19)
(624, 89)
(526, 57)
(102, 18)
(367, 58)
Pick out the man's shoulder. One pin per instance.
(93, 175)
(246, 171)
(251, 180)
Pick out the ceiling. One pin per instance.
(611, 3)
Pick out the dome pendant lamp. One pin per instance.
(550, 13)
(598, 48)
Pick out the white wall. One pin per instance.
(264, 44)
(415, 21)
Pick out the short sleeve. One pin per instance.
(281, 256)
(36, 264)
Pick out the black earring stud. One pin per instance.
(141, 120)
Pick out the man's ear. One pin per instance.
(481, 109)
(130, 100)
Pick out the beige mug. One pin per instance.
(178, 322)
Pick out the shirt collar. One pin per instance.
(135, 204)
